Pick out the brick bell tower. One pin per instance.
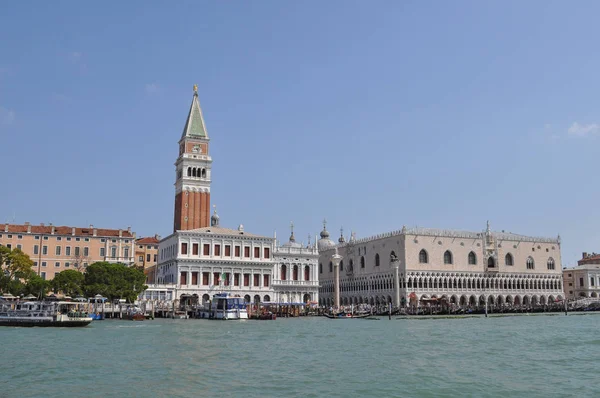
(193, 172)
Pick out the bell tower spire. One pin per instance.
(193, 172)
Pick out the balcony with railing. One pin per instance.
(296, 283)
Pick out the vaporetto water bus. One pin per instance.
(224, 307)
(43, 313)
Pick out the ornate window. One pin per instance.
(320, 268)
(447, 257)
(377, 260)
(330, 266)
(362, 262)
(508, 260)
(550, 263)
(530, 263)
(342, 265)
(472, 258)
(423, 257)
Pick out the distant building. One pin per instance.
(193, 173)
(458, 267)
(296, 274)
(583, 280)
(146, 251)
(56, 248)
(201, 258)
(209, 260)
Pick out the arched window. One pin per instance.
(550, 263)
(362, 262)
(342, 265)
(423, 258)
(189, 172)
(530, 263)
(472, 259)
(508, 260)
(491, 262)
(320, 268)
(351, 266)
(295, 273)
(447, 257)
(194, 172)
(283, 272)
(330, 266)
(306, 273)
(377, 260)
(203, 173)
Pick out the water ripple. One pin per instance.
(536, 356)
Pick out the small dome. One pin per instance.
(214, 219)
(325, 243)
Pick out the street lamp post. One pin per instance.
(336, 259)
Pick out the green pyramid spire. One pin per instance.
(194, 125)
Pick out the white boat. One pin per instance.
(43, 313)
(225, 307)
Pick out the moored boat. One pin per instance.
(43, 313)
(225, 307)
(345, 315)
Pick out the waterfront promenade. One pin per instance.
(525, 356)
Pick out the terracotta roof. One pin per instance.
(64, 230)
(593, 259)
(149, 240)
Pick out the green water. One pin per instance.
(521, 356)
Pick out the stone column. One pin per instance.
(396, 266)
(336, 258)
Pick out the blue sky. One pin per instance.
(371, 114)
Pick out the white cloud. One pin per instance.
(151, 88)
(7, 116)
(583, 130)
(75, 56)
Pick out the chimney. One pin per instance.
(28, 227)
(120, 233)
(5, 227)
(584, 255)
(41, 224)
(52, 229)
(95, 232)
(129, 229)
(157, 236)
(73, 231)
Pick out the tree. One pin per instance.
(37, 286)
(70, 282)
(114, 281)
(19, 265)
(16, 268)
(79, 260)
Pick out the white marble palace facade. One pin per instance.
(296, 277)
(465, 268)
(205, 261)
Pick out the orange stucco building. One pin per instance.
(57, 248)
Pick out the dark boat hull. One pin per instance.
(346, 317)
(41, 323)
